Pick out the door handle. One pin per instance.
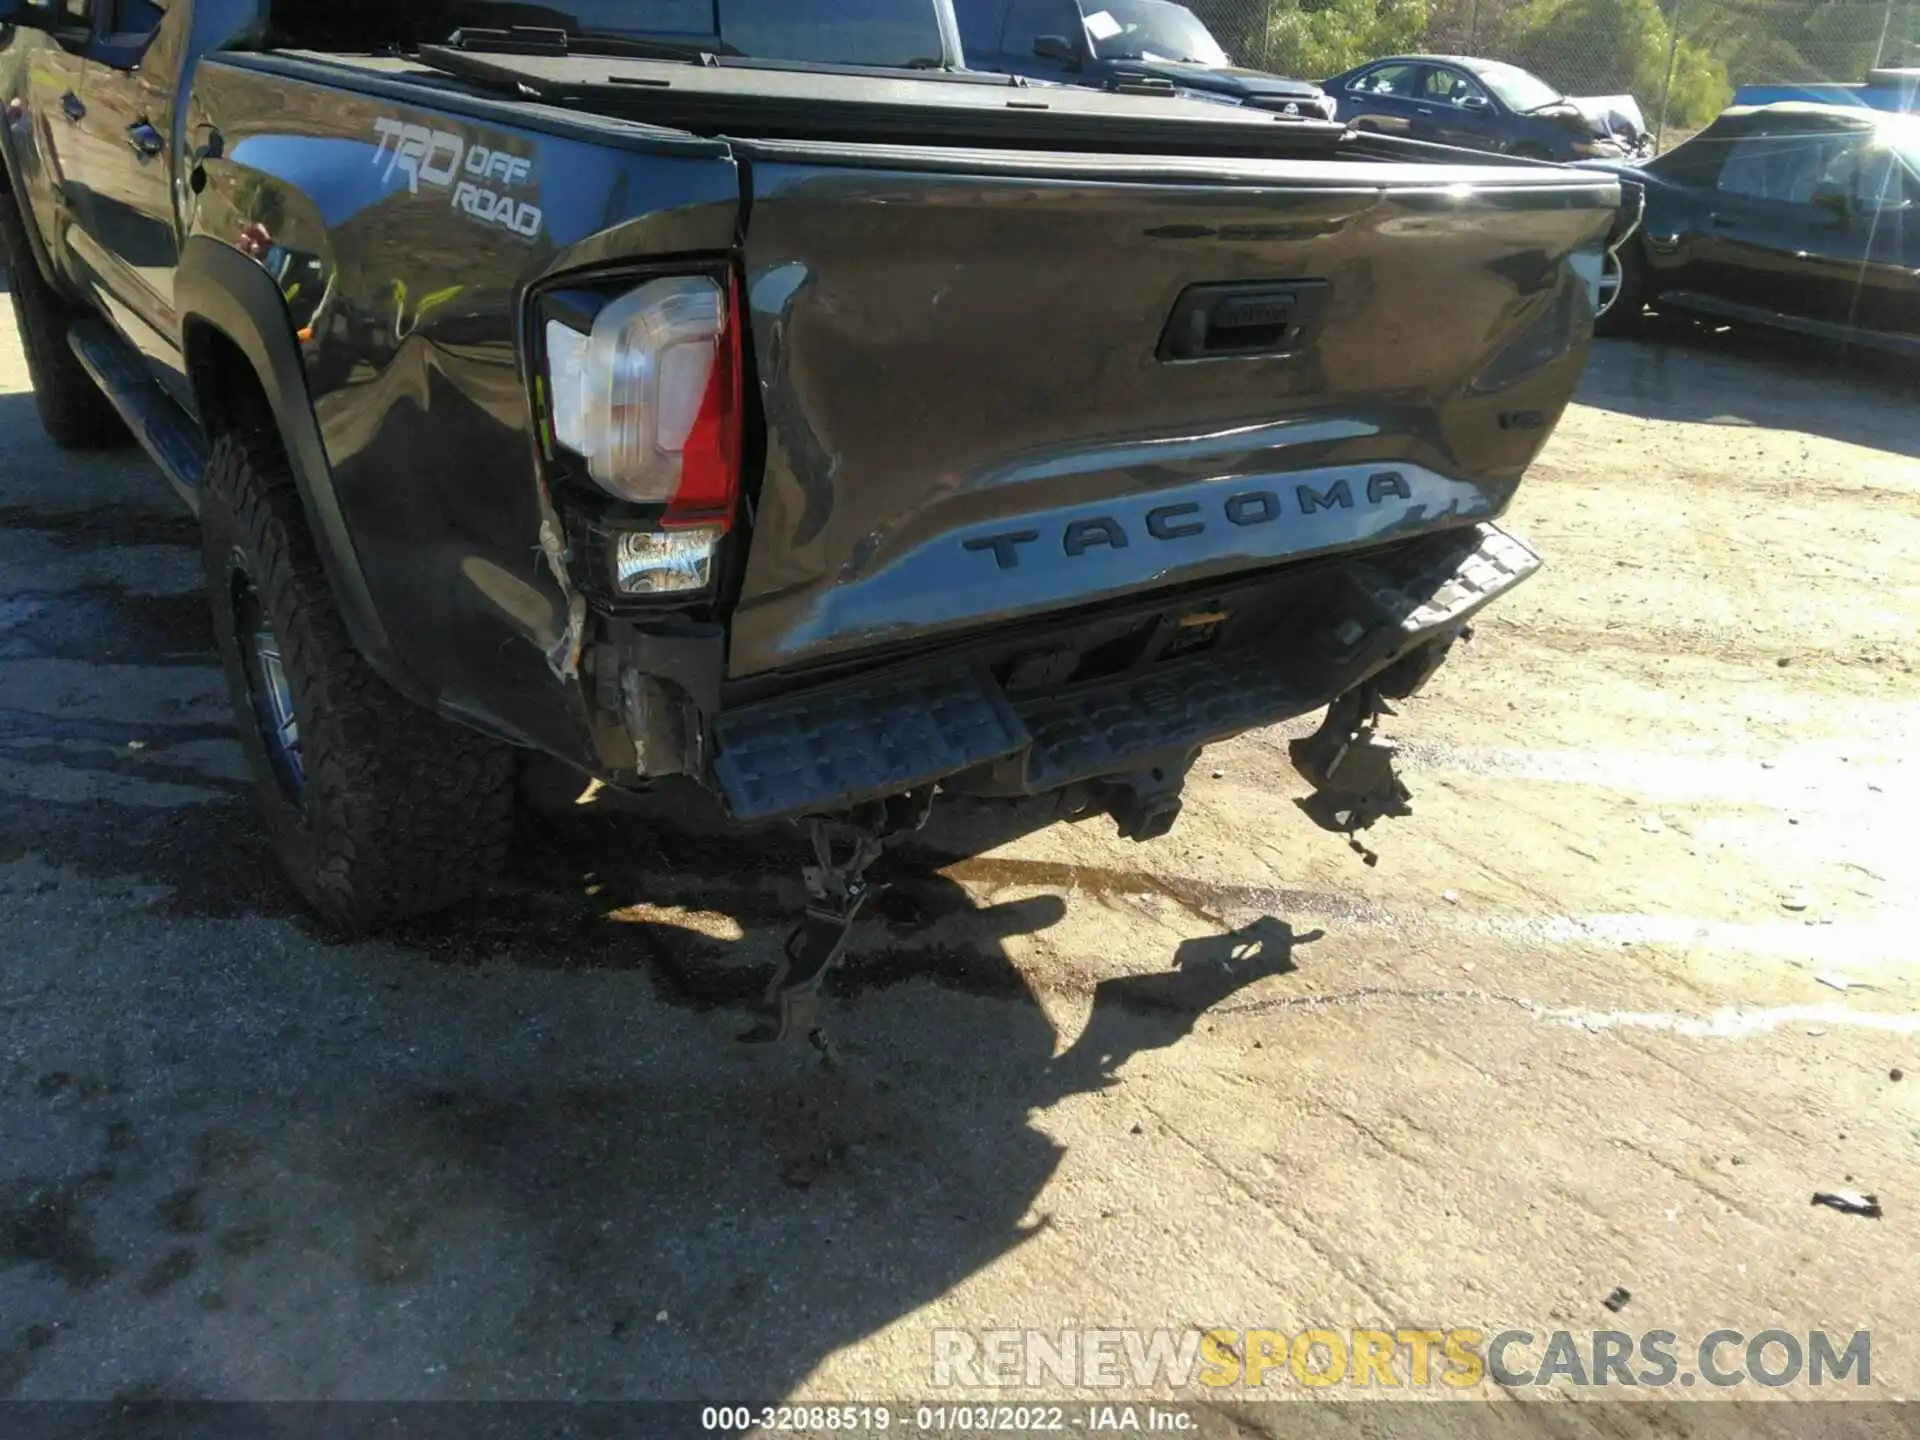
(145, 139)
(71, 107)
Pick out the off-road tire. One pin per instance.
(1628, 312)
(72, 410)
(400, 812)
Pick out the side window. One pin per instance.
(1402, 81)
(1028, 20)
(1880, 182)
(1767, 167)
(1790, 169)
(1450, 87)
(979, 26)
(132, 19)
(127, 30)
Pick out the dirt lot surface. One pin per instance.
(1578, 1027)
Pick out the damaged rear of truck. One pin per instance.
(801, 416)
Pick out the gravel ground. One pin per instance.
(1571, 1025)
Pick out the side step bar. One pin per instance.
(161, 427)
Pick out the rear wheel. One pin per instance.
(72, 410)
(377, 809)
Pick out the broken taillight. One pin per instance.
(650, 398)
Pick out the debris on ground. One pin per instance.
(1795, 900)
(1617, 1298)
(1849, 1202)
(1896, 1074)
(1652, 824)
(1452, 897)
(1834, 982)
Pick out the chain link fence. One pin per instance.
(1681, 59)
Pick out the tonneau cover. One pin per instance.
(820, 102)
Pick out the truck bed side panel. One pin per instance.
(968, 418)
(405, 290)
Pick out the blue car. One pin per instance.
(1485, 105)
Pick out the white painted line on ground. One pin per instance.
(1727, 1023)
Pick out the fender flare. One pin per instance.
(218, 287)
(35, 241)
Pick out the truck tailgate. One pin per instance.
(987, 393)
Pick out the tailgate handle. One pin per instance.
(1273, 317)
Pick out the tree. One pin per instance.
(1314, 39)
(1602, 47)
(1819, 40)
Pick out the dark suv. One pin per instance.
(1137, 45)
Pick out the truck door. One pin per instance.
(1387, 98)
(126, 235)
(1453, 109)
(55, 78)
(1771, 244)
(1884, 212)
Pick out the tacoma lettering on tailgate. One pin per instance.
(1189, 517)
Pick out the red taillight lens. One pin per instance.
(710, 458)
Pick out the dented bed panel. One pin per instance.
(403, 225)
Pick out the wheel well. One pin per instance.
(227, 392)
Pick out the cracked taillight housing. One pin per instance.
(650, 398)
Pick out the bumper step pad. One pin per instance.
(1436, 585)
(834, 748)
(831, 748)
(1093, 732)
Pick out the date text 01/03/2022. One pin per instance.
(946, 1419)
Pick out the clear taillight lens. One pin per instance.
(651, 398)
(664, 562)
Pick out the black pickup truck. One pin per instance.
(744, 391)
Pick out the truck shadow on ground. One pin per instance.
(1700, 371)
(712, 1222)
(512, 1151)
(511, 1172)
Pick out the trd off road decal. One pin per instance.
(478, 177)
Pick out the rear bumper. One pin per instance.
(968, 725)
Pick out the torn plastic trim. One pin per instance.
(564, 658)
